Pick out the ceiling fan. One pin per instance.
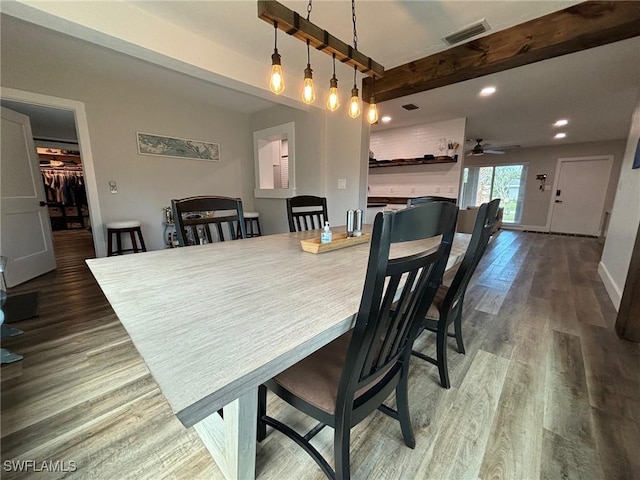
(480, 148)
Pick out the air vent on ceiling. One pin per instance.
(410, 106)
(467, 32)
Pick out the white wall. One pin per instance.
(544, 160)
(413, 142)
(625, 219)
(328, 147)
(38, 60)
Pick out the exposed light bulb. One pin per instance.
(308, 92)
(333, 102)
(372, 116)
(354, 103)
(276, 84)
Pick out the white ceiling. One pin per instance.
(596, 89)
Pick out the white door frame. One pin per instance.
(84, 143)
(556, 179)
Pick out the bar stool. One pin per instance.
(252, 223)
(132, 227)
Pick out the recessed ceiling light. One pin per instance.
(561, 123)
(386, 119)
(560, 135)
(486, 91)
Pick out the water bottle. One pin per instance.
(357, 229)
(350, 222)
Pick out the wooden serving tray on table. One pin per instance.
(340, 240)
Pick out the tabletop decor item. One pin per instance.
(340, 240)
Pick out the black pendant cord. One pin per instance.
(309, 8)
(355, 41)
(275, 35)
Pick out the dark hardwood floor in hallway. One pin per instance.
(546, 389)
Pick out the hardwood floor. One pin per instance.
(546, 389)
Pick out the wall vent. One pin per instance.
(410, 106)
(467, 32)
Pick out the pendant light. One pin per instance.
(354, 103)
(276, 84)
(308, 92)
(333, 102)
(372, 116)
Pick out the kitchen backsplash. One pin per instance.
(412, 142)
(418, 140)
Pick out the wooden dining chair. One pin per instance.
(448, 302)
(350, 378)
(429, 198)
(207, 219)
(306, 212)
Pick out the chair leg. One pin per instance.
(109, 242)
(262, 410)
(457, 325)
(119, 242)
(341, 441)
(134, 243)
(402, 401)
(143, 247)
(441, 348)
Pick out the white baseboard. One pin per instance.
(533, 228)
(615, 294)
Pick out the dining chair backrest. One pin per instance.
(487, 217)
(208, 219)
(306, 212)
(428, 199)
(396, 296)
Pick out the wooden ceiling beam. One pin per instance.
(586, 25)
(292, 23)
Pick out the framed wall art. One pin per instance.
(163, 146)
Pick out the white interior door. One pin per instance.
(25, 230)
(579, 196)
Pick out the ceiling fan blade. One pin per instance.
(494, 152)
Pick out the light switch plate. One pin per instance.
(113, 187)
(342, 184)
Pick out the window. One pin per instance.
(506, 182)
(274, 163)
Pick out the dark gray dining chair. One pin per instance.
(429, 198)
(306, 212)
(350, 378)
(207, 219)
(448, 302)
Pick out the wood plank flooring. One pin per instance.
(546, 389)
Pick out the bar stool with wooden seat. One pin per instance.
(117, 229)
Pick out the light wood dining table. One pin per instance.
(213, 322)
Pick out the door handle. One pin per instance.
(558, 201)
(43, 204)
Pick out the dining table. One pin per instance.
(213, 322)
